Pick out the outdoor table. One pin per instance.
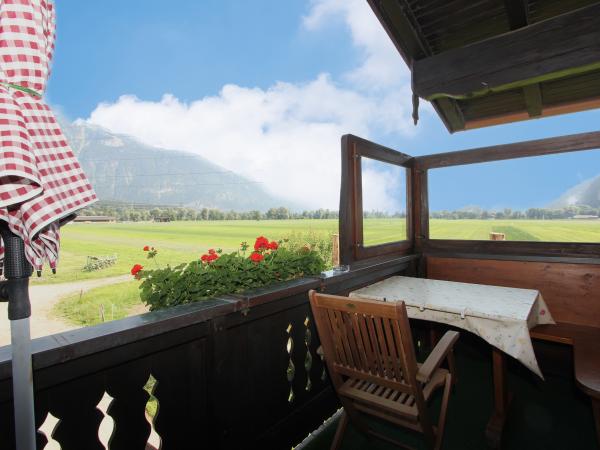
(502, 316)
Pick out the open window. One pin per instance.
(550, 198)
(375, 213)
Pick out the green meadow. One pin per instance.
(179, 242)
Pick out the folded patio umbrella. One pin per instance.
(41, 182)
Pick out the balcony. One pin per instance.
(245, 371)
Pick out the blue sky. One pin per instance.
(266, 88)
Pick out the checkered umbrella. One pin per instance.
(41, 182)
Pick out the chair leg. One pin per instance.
(443, 409)
(452, 366)
(339, 433)
(355, 418)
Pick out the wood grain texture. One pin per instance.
(570, 290)
(544, 50)
(545, 110)
(586, 346)
(369, 352)
(517, 12)
(538, 147)
(352, 246)
(495, 426)
(346, 214)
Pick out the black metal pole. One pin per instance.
(15, 290)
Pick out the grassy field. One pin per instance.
(176, 242)
(182, 241)
(99, 305)
(518, 230)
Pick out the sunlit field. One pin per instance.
(176, 242)
(518, 230)
(182, 241)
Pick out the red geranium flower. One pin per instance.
(262, 243)
(135, 269)
(211, 251)
(147, 248)
(209, 257)
(256, 257)
(273, 245)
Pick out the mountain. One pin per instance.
(585, 193)
(124, 169)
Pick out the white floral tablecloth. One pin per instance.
(502, 316)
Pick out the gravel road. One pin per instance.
(43, 298)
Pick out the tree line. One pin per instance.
(508, 213)
(137, 213)
(140, 213)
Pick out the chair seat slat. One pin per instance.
(368, 349)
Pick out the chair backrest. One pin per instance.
(367, 340)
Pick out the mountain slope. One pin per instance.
(585, 193)
(123, 169)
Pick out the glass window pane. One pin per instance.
(552, 198)
(384, 202)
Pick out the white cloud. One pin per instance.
(383, 190)
(286, 136)
(382, 67)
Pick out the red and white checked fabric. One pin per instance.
(41, 181)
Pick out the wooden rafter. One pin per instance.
(547, 111)
(533, 99)
(564, 45)
(517, 12)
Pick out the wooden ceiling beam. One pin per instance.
(395, 22)
(455, 120)
(533, 99)
(561, 46)
(517, 12)
(548, 111)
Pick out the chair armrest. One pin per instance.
(437, 355)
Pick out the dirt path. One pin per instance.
(43, 298)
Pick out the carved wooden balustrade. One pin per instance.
(229, 373)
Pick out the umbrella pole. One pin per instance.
(16, 291)
(22, 384)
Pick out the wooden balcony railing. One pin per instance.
(233, 372)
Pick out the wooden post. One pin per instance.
(335, 249)
(495, 426)
(493, 432)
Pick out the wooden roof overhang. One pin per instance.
(487, 62)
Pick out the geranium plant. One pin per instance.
(216, 273)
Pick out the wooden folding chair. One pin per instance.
(369, 352)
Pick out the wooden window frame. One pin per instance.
(351, 208)
(565, 251)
